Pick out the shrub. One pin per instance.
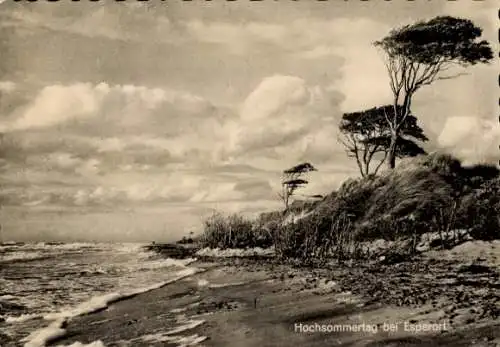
(318, 238)
(233, 231)
(480, 211)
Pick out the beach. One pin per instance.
(432, 301)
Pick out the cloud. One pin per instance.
(255, 188)
(174, 187)
(280, 111)
(471, 139)
(119, 106)
(313, 39)
(78, 101)
(115, 22)
(364, 80)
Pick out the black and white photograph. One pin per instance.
(237, 173)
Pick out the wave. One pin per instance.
(62, 245)
(11, 244)
(19, 257)
(22, 318)
(55, 330)
(44, 250)
(97, 343)
(163, 263)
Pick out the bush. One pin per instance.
(318, 238)
(480, 211)
(233, 231)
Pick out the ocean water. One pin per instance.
(41, 284)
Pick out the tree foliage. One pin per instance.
(367, 137)
(292, 180)
(422, 53)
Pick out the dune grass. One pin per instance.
(432, 193)
(233, 231)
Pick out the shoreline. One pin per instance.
(248, 302)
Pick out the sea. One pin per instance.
(42, 284)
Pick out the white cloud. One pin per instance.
(217, 192)
(170, 187)
(57, 104)
(280, 111)
(273, 95)
(472, 139)
(364, 80)
(65, 162)
(106, 110)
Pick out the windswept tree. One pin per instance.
(366, 136)
(292, 179)
(423, 53)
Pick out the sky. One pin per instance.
(134, 121)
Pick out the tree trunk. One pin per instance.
(285, 195)
(391, 155)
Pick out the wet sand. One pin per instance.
(257, 303)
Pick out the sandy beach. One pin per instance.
(248, 302)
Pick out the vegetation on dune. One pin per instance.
(233, 231)
(433, 193)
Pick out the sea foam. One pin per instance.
(54, 330)
(97, 343)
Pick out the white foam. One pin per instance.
(67, 246)
(22, 256)
(203, 283)
(21, 318)
(187, 325)
(171, 335)
(94, 304)
(223, 285)
(234, 252)
(97, 343)
(40, 337)
(129, 247)
(163, 263)
(7, 297)
(182, 341)
(190, 340)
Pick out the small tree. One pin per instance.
(418, 54)
(366, 135)
(292, 180)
